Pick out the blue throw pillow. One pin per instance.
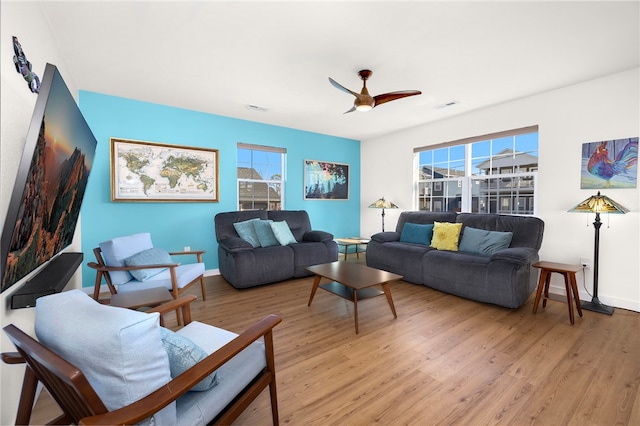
(480, 241)
(184, 354)
(152, 256)
(265, 233)
(283, 233)
(247, 231)
(416, 233)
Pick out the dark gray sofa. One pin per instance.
(504, 278)
(244, 265)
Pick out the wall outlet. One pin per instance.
(187, 248)
(585, 262)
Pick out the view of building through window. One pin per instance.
(260, 177)
(490, 174)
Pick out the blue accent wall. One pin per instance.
(175, 225)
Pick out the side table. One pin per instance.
(569, 273)
(353, 241)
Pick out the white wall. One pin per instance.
(602, 109)
(25, 21)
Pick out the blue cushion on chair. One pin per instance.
(184, 354)
(152, 256)
(116, 250)
(119, 350)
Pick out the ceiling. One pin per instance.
(219, 57)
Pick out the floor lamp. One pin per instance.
(381, 203)
(598, 204)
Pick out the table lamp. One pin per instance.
(381, 203)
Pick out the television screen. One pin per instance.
(50, 183)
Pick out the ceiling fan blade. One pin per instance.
(392, 96)
(341, 87)
(353, 108)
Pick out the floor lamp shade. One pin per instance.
(598, 204)
(381, 203)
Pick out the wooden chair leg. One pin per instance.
(27, 397)
(204, 294)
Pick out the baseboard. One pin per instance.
(631, 305)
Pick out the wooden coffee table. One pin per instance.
(353, 281)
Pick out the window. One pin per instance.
(488, 174)
(260, 177)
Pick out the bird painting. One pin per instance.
(605, 169)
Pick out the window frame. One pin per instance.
(522, 199)
(252, 181)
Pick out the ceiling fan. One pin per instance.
(364, 101)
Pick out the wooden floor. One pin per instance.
(444, 360)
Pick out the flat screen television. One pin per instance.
(52, 177)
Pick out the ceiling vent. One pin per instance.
(446, 105)
(257, 108)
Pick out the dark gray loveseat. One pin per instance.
(504, 278)
(244, 265)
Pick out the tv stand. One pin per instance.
(51, 279)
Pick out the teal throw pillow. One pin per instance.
(283, 233)
(480, 241)
(247, 231)
(184, 354)
(416, 233)
(265, 233)
(152, 256)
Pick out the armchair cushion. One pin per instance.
(152, 256)
(116, 250)
(283, 233)
(184, 354)
(247, 231)
(184, 274)
(127, 360)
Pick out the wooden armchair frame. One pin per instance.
(102, 270)
(81, 405)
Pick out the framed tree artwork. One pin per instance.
(325, 180)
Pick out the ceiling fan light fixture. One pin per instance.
(364, 107)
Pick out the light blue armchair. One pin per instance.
(132, 263)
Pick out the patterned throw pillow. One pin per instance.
(446, 235)
(152, 256)
(184, 354)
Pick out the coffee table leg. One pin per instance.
(355, 308)
(316, 283)
(387, 292)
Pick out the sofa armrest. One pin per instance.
(317, 236)
(235, 244)
(386, 237)
(519, 255)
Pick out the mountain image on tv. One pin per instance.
(61, 147)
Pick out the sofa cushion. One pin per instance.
(247, 231)
(416, 234)
(118, 350)
(184, 354)
(283, 233)
(484, 242)
(446, 235)
(265, 233)
(317, 236)
(152, 256)
(116, 250)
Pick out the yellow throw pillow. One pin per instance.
(446, 235)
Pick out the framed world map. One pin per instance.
(149, 171)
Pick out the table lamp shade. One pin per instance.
(381, 203)
(599, 204)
